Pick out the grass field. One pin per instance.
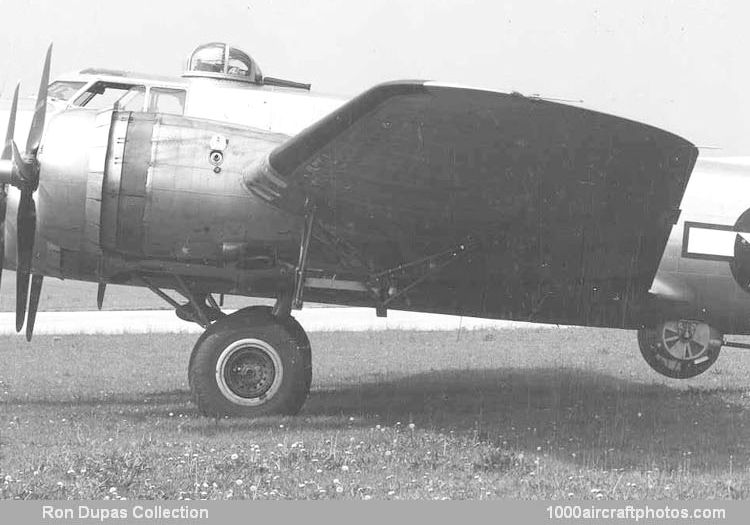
(572, 413)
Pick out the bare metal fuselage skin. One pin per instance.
(111, 207)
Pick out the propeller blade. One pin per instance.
(36, 292)
(100, 295)
(37, 123)
(26, 223)
(7, 148)
(3, 210)
(6, 154)
(26, 230)
(22, 295)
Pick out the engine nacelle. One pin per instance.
(151, 187)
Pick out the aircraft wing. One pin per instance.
(570, 208)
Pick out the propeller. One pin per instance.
(22, 171)
(7, 155)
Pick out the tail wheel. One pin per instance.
(251, 364)
(680, 349)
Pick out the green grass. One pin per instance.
(558, 414)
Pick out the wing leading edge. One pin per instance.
(571, 208)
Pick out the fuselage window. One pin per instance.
(166, 100)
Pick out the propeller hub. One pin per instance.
(21, 171)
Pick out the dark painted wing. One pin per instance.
(571, 208)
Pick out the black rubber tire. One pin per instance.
(304, 344)
(649, 342)
(285, 336)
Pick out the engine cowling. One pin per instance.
(153, 187)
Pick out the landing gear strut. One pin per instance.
(251, 363)
(680, 349)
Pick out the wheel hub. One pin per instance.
(686, 340)
(249, 371)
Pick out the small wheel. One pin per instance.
(680, 349)
(250, 364)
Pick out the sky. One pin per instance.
(682, 65)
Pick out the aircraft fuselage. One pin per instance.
(110, 207)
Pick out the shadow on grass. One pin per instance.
(585, 417)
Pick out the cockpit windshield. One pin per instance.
(63, 89)
(133, 97)
(104, 95)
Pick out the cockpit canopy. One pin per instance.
(220, 60)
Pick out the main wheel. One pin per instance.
(680, 349)
(250, 364)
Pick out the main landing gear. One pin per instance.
(251, 363)
(680, 349)
(255, 361)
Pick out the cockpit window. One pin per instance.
(133, 100)
(63, 90)
(165, 100)
(104, 95)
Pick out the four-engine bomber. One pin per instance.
(413, 195)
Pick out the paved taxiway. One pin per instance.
(313, 319)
